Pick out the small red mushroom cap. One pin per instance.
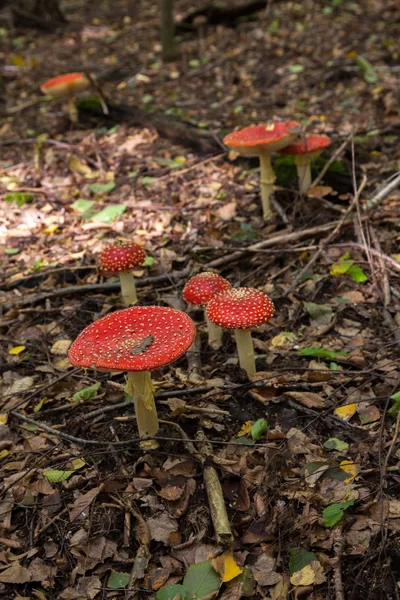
(311, 143)
(262, 138)
(63, 85)
(240, 308)
(121, 256)
(141, 338)
(202, 287)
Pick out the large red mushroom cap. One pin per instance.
(121, 256)
(141, 338)
(240, 308)
(202, 287)
(257, 139)
(311, 143)
(65, 85)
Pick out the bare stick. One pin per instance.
(382, 194)
(338, 547)
(331, 160)
(219, 516)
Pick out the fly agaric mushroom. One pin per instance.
(198, 291)
(121, 257)
(67, 86)
(304, 151)
(241, 309)
(137, 340)
(261, 141)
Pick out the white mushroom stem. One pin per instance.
(267, 180)
(139, 385)
(128, 288)
(72, 110)
(303, 166)
(244, 344)
(214, 333)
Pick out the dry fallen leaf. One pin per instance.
(308, 399)
(346, 411)
(305, 576)
(82, 503)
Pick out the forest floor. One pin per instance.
(313, 499)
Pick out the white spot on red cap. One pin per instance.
(121, 256)
(202, 287)
(240, 308)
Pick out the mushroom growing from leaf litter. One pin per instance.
(198, 291)
(304, 151)
(137, 340)
(262, 141)
(67, 86)
(241, 309)
(121, 257)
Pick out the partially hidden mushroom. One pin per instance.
(305, 151)
(136, 340)
(120, 258)
(262, 141)
(198, 291)
(241, 309)
(67, 86)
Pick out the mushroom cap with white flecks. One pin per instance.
(141, 338)
(121, 256)
(202, 287)
(240, 308)
(311, 143)
(266, 138)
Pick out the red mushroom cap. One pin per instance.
(240, 308)
(200, 288)
(312, 143)
(70, 83)
(121, 256)
(141, 338)
(261, 138)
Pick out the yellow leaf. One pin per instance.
(50, 229)
(17, 60)
(351, 54)
(282, 338)
(396, 256)
(305, 576)
(16, 350)
(78, 463)
(3, 418)
(39, 405)
(77, 166)
(245, 428)
(349, 467)
(4, 453)
(231, 568)
(345, 412)
(61, 347)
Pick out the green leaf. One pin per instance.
(100, 188)
(19, 198)
(357, 274)
(148, 181)
(296, 68)
(318, 352)
(334, 513)
(300, 558)
(12, 251)
(81, 205)
(201, 580)
(87, 393)
(394, 409)
(171, 592)
(365, 66)
(258, 429)
(148, 261)
(336, 444)
(118, 580)
(315, 466)
(245, 441)
(110, 213)
(56, 476)
(336, 473)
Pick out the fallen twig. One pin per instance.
(338, 547)
(216, 501)
(93, 287)
(331, 160)
(382, 194)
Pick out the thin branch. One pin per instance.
(382, 194)
(331, 160)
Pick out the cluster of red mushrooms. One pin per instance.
(139, 339)
(257, 140)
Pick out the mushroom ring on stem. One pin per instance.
(66, 86)
(121, 257)
(304, 151)
(262, 141)
(241, 309)
(198, 291)
(137, 340)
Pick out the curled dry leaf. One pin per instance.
(308, 399)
